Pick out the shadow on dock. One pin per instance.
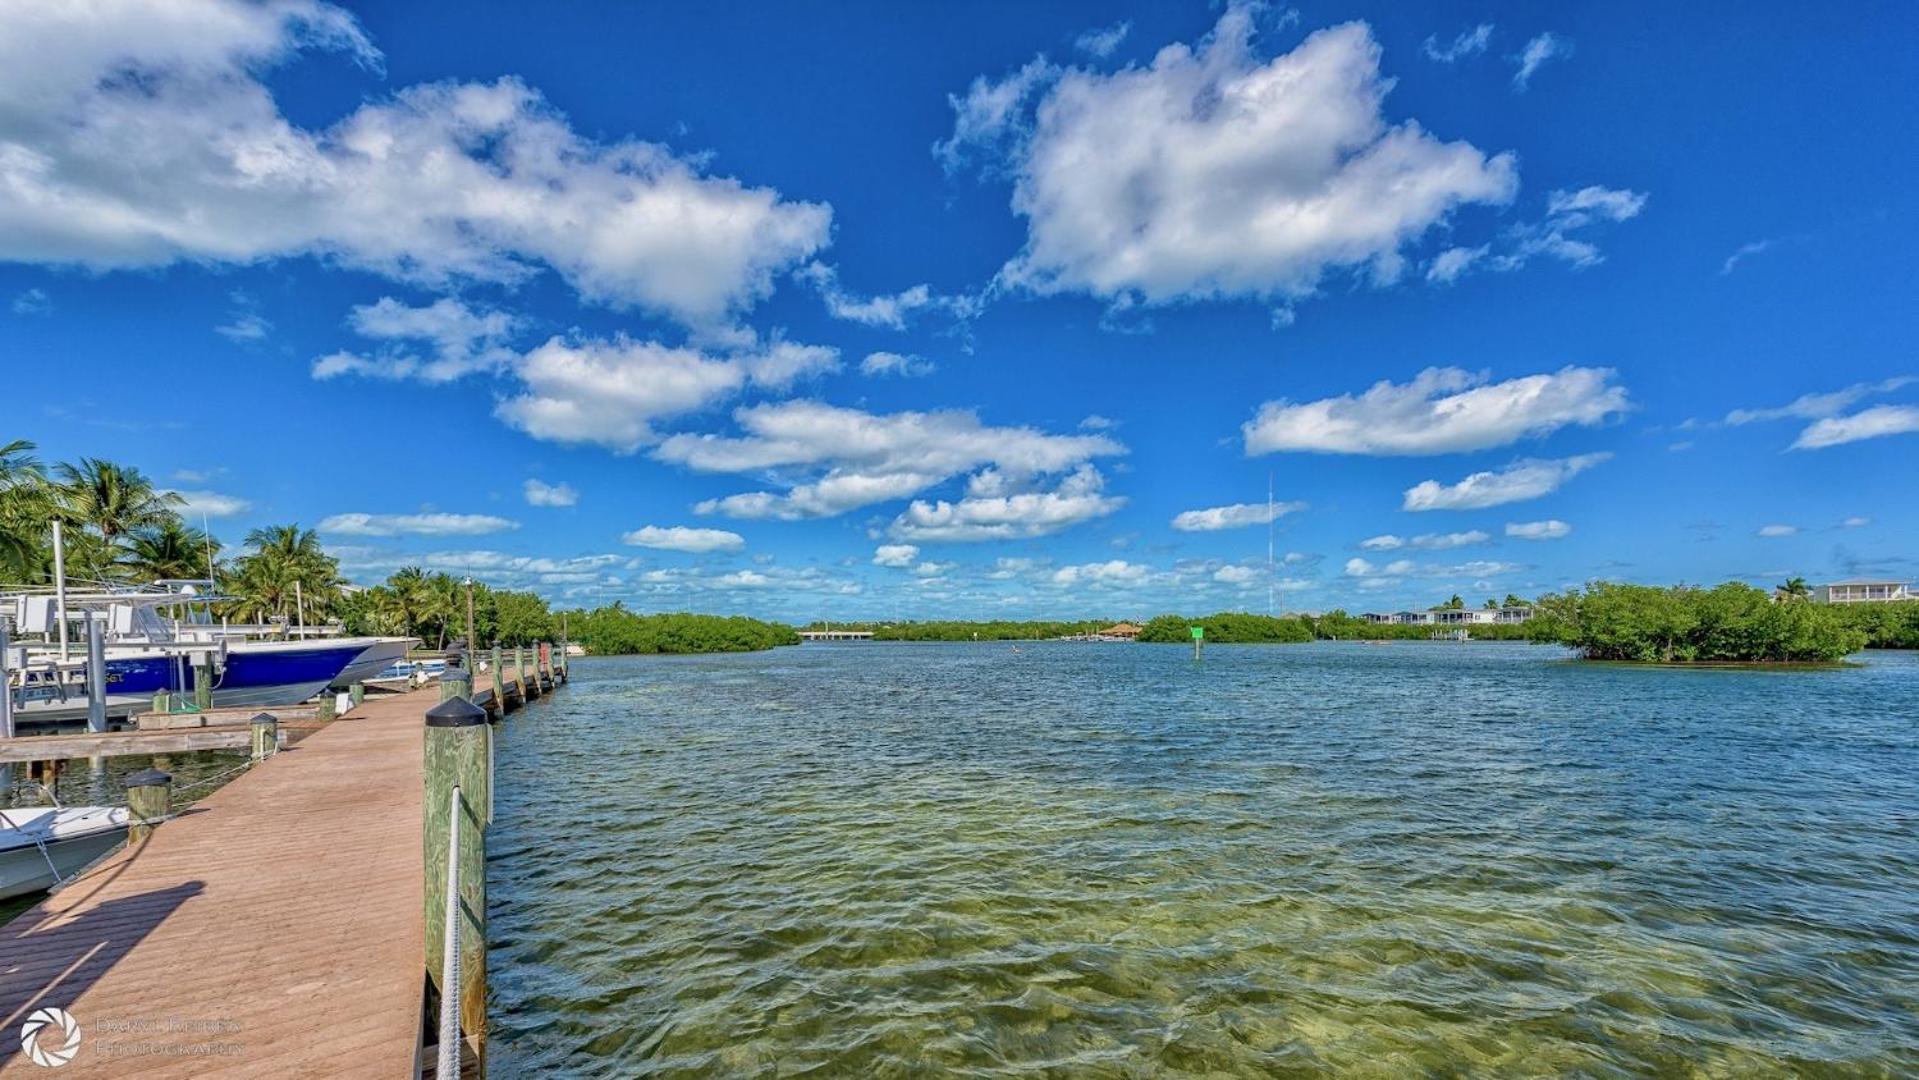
(40, 949)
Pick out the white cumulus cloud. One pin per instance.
(1102, 42)
(460, 341)
(1425, 541)
(213, 504)
(898, 556)
(1468, 43)
(1522, 480)
(541, 493)
(1114, 572)
(140, 133)
(1831, 425)
(892, 311)
(612, 391)
(1078, 498)
(1535, 54)
(1550, 529)
(1874, 423)
(1442, 410)
(890, 363)
(1215, 171)
(682, 538)
(833, 459)
(1238, 515)
(424, 524)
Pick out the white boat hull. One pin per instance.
(69, 841)
(382, 654)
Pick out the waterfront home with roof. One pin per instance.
(1864, 591)
(1505, 616)
(1124, 631)
(1463, 616)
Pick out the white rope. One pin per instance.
(449, 1068)
(244, 766)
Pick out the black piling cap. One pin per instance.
(455, 712)
(149, 778)
(264, 718)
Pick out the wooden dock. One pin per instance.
(274, 929)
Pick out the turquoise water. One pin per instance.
(1107, 861)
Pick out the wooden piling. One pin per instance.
(529, 680)
(265, 729)
(203, 684)
(357, 692)
(455, 682)
(96, 675)
(149, 801)
(457, 759)
(6, 683)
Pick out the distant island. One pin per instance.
(1606, 621)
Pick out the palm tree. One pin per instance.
(286, 567)
(408, 600)
(111, 501)
(172, 550)
(449, 605)
(25, 510)
(1793, 589)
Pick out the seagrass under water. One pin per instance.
(1086, 860)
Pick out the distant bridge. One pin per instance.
(837, 635)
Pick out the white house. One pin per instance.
(1863, 591)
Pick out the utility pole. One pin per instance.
(1269, 546)
(471, 644)
(299, 610)
(60, 584)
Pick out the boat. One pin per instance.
(43, 846)
(371, 664)
(148, 654)
(405, 674)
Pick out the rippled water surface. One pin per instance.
(1106, 861)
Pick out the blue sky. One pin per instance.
(994, 310)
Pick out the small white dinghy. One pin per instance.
(42, 846)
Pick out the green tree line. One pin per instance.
(1685, 624)
(615, 630)
(1886, 626)
(433, 608)
(989, 630)
(1229, 628)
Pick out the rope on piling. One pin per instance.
(240, 768)
(449, 1067)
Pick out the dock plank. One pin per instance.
(276, 929)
